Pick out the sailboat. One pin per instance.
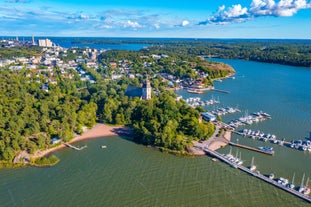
(307, 189)
(292, 184)
(302, 188)
(240, 161)
(229, 156)
(252, 167)
(236, 159)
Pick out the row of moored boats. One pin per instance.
(249, 119)
(225, 110)
(303, 188)
(196, 101)
(299, 144)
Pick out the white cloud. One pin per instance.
(281, 8)
(105, 26)
(185, 23)
(237, 13)
(157, 26)
(83, 16)
(131, 24)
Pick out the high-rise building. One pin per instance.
(45, 43)
(33, 39)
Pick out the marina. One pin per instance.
(197, 101)
(249, 119)
(259, 135)
(281, 183)
(225, 110)
(236, 162)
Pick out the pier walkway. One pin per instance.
(222, 91)
(74, 147)
(257, 175)
(250, 148)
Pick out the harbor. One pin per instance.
(257, 118)
(259, 135)
(258, 175)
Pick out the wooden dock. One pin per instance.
(74, 147)
(258, 175)
(222, 91)
(250, 148)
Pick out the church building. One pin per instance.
(143, 92)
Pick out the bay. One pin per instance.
(127, 174)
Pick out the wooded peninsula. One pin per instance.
(286, 52)
(49, 95)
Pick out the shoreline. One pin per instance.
(98, 131)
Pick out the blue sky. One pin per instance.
(285, 19)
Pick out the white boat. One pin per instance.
(307, 189)
(292, 184)
(283, 181)
(239, 161)
(103, 146)
(266, 149)
(302, 187)
(271, 176)
(252, 167)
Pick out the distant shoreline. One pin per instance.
(98, 131)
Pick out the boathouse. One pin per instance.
(208, 116)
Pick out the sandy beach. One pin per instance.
(221, 141)
(98, 131)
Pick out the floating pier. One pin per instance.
(222, 91)
(74, 147)
(250, 148)
(258, 175)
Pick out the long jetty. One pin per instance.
(250, 148)
(258, 175)
(222, 91)
(74, 147)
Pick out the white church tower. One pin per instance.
(146, 90)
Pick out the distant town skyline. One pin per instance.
(281, 19)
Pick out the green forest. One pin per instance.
(31, 117)
(286, 52)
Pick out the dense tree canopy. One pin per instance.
(31, 117)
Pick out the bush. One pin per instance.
(46, 161)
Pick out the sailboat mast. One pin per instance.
(293, 178)
(303, 177)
